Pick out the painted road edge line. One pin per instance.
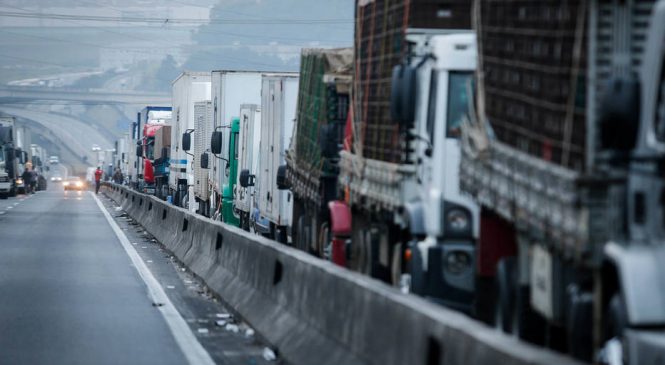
(187, 341)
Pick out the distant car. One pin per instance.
(96, 147)
(56, 178)
(74, 183)
(53, 160)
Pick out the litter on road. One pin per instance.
(269, 355)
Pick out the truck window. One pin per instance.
(150, 148)
(236, 144)
(431, 106)
(458, 102)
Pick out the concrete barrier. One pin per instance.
(316, 313)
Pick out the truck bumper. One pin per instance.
(448, 277)
(261, 224)
(5, 187)
(149, 189)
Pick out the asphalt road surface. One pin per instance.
(71, 294)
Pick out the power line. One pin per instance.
(134, 19)
(65, 103)
(32, 60)
(211, 56)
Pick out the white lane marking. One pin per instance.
(8, 208)
(15, 204)
(189, 345)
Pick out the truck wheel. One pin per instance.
(12, 192)
(325, 242)
(396, 265)
(505, 294)
(579, 326)
(300, 233)
(527, 324)
(281, 235)
(4, 196)
(614, 327)
(513, 312)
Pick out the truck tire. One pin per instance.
(396, 265)
(579, 326)
(281, 235)
(513, 312)
(505, 282)
(299, 241)
(615, 324)
(616, 318)
(4, 196)
(12, 192)
(527, 324)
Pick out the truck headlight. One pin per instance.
(457, 262)
(458, 220)
(19, 181)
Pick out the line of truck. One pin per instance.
(17, 152)
(467, 154)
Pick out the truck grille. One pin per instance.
(4, 179)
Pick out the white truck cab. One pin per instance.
(432, 101)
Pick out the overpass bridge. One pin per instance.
(30, 93)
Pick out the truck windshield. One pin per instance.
(236, 144)
(458, 101)
(150, 148)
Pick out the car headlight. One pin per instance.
(19, 181)
(458, 220)
(457, 262)
(79, 184)
(65, 183)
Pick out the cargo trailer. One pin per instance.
(279, 95)
(189, 88)
(562, 157)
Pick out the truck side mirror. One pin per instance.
(396, 93)
(620, 114)
(329, 140)
(246, 180)
(139, 151)
(204, 160)
(408, 99)
(216, 142)
(282, 182)
(186, 141)
(403, 95)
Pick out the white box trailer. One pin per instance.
(200, 146)
(188, 89)
(24, 139)
(230, 90)
(278, 108)
(131, 165)
(248, 160)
